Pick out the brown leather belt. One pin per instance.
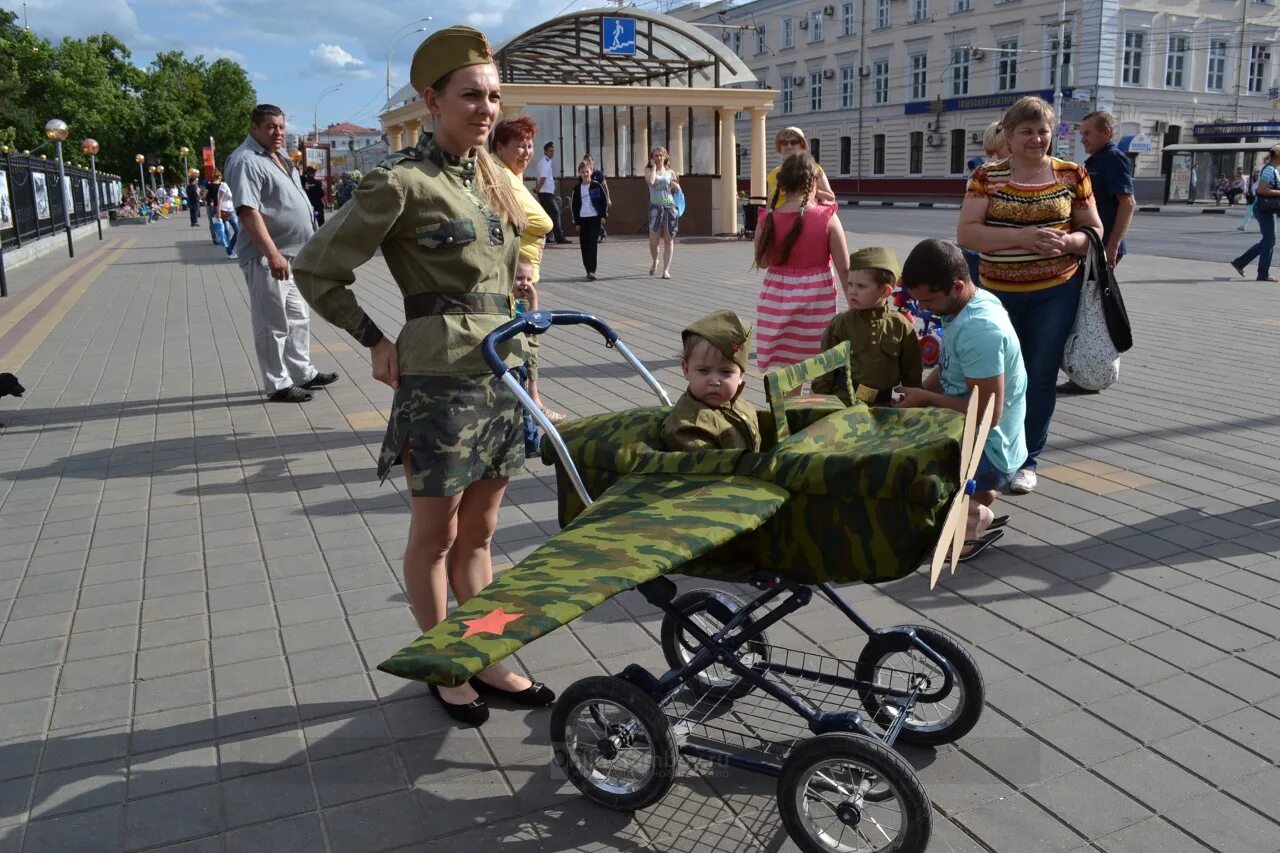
(428, 304)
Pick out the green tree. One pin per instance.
(231, 99)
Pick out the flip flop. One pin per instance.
(998, 522)
(974, 547)
(554, 416)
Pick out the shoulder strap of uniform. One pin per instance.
(401, 156)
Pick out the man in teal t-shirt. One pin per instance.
(980, 352)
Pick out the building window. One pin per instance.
(1259, 59)
(882, 14)
(919, 10)
(788, 96)
(880, 84)
(846, 155)
(848, 80)
(1131, 73)
(815, 90)
(960, 59)
(761, 43)
(961, 5)
(877, 154)
(919, 63)
(815, 149)
(1007, 69)
(847, 19)
(1217, 65)
(788, 33)
(815, 26)
(957, 151)
(1051, 48)
(915, 155)
(1175, 63)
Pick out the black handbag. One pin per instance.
(1268, 203)
(1113, 310)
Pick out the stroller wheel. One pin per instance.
(889, 661)
(711, 610)
(614, 743)
(847, 793)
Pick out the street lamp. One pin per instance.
(90, 147)
(315, 112)
(160, 171)
(184, 151)
(151, 170)
(396, 40)
(142, 178)
(57, 130)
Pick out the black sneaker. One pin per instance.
(319, 381)
(292, 394)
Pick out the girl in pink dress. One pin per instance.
(796, 248)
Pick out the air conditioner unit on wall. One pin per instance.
(804, 23)
(797, 80)
(977, 54)
(864, 70)
(976, 137)
(935, 140)
(829, 74)
(1160, 127)
(829, 11)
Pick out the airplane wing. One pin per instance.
(643, 527)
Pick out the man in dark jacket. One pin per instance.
(315, 192)
(193, 200)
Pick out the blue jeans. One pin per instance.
(232, 228)
(1261, 249)
(990, 478)
(213, 217)
(1043, 320)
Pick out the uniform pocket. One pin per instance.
(450, 234)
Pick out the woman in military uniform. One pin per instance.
(448, 225)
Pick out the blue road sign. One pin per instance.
(618, 36)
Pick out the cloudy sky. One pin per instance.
(292, 50)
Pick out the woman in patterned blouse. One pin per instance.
(1019, 214)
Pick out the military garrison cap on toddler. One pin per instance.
(875, 258)
(725, 331)
(447, 50)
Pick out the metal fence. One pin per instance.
(32, 198)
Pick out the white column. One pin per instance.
(728, 173)
(640, 145)
(678, 122)
(758, 156)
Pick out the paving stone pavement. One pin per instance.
(195, 589)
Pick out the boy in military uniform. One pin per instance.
(711, 414)
(884, 349)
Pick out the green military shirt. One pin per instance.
(693, 425)
(421, 207)
(885, 352)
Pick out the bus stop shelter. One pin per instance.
(614, 82)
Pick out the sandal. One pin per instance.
(974, 547)
(998, 522)
(552, 415)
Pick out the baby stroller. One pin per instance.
(751, 208)
(865, 488)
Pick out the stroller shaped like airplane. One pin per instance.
(837, 494)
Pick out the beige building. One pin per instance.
(895, 94)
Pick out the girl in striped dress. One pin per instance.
(796, 247)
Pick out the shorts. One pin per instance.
(990, 478)
(663, 216)
(458, 429)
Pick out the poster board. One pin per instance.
(6, 205)
(40, 187)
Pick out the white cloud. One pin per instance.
(54, 19)
(333, 59)
(485, 19)
(224, 53)
(258, 77)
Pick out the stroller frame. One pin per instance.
(801, 765)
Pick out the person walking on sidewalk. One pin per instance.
(1025, 216)
(314, 189)
(448, 224)
(546, 188)
(276, 215)
(664, 218)
(193, 200)
(1268, 187)
(590, 210)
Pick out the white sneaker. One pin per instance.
(1023, 481)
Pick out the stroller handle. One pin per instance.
(535, 323)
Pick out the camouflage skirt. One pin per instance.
(457, 429)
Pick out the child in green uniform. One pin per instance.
(711, 414)
(885, 350)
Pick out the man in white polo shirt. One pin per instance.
(276, 215)
(547, 191)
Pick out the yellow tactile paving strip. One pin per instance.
(1098, 478)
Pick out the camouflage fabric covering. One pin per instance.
(459, 430)
(779, 383)
(609, 549)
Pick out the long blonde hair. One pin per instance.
(491, 183)
(797, 177)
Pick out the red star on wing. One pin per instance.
(493, 622)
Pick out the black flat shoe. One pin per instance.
(536, 695)
(319, 381)
(474, 713)
(974, 547)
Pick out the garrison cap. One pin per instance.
(725, 331)
(448, 50)
(875, 258)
